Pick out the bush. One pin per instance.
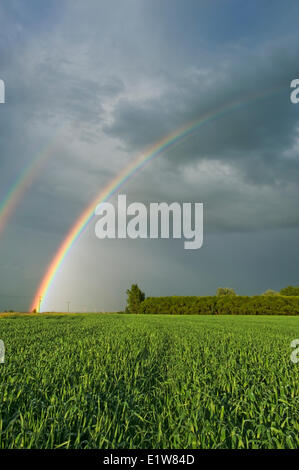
(222, 305)
(225, 291)
(290, 291)
(270, 292)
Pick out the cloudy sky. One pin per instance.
(92, 84)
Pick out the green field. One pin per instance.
(124, 381)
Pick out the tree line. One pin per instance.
(225, 302)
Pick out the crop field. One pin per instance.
(124, 381)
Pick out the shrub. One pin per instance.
(270, 292)
(225, 291)
(222, 305)
(290, 291)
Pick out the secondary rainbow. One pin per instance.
(24, 182)
(16, 192)
(169, 142)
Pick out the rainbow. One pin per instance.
(24, 181)
(16, 192)
(169, 142)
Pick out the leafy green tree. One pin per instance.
(290, 290)
(270, 292)
(225, 291)
(135, 297)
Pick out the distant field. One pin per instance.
(124, 381)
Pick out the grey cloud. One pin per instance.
(263, 126)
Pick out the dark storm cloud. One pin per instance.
(244, 165)
(253, 136)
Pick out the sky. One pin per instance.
(91, 85)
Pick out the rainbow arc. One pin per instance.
(167, 143)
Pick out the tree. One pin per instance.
(135, 297)
(290, 290)
(225, 291)
(270, 292)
